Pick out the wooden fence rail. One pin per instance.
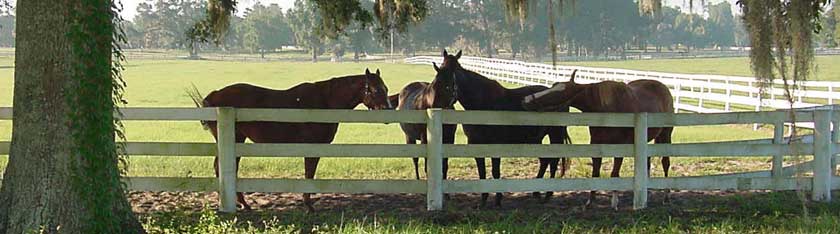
(822, 145)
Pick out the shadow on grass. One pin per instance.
(704, 212)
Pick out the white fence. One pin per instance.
(823, 145)
(693, 93)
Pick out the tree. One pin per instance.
(304, 19)
(394, 16)
(63, 174)
(835, 14)
(722, 24)
(264, 29)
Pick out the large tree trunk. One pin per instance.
(55, 181)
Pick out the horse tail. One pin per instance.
(195, 95)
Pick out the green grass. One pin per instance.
(742, 213)
(737, 66)
(161, 83)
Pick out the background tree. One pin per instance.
(265, 29)
(304, 20)
(722, 24)
(394, 16)
(64, 168)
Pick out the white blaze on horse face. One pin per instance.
(555, 88)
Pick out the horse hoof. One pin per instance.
(536, 195)
(246, 208)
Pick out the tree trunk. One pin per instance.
(53, 182)
(314, 54)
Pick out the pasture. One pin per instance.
(161, 83)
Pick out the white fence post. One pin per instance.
(822, 156)
(778, 159)
(835, 137)
(641, 173)
(226, 141)
(727, 102)
(434, 160)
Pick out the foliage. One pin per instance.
(264, 28)
(336, 15)
(169, 24)
(398, 14)
(304, 19)
(721, 23)
(98, 92)
(777, 27)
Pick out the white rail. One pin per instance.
(822, 145)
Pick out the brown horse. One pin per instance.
(476, 92)
(423, 95)
(610, 96)
(336, 93)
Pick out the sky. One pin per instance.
(130, 6)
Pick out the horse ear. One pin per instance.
(458, 55)
(377, 72)
(367, 72)
(437, 69)
(572, 77)
(445, 53)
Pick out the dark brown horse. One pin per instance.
(610, 96)
(424, 95)
(476, 92)
(336, 93)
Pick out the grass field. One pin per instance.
(161, 83)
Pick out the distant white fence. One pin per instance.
(693, 93)
(823, 145)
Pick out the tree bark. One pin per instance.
(39, 191)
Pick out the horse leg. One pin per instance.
(410, 141)
(616, 172)
(552, 171)
(482, 174)
(596, 172)
(240, 197)
(310, 165)
(665, 138)
(544, 163)
(497, 174)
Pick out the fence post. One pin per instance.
(641, 173)
(822, 156)
(778, 158)
(727, 104)
(434, 160)
(677, 94)
(226, 141)
(835, 137)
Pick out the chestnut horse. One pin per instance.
(610, 96)
(476, 92)
(336, 93)
(423, 95)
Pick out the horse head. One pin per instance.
(444, 88)
(451, 61)
(375, 92)
(560, 94)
